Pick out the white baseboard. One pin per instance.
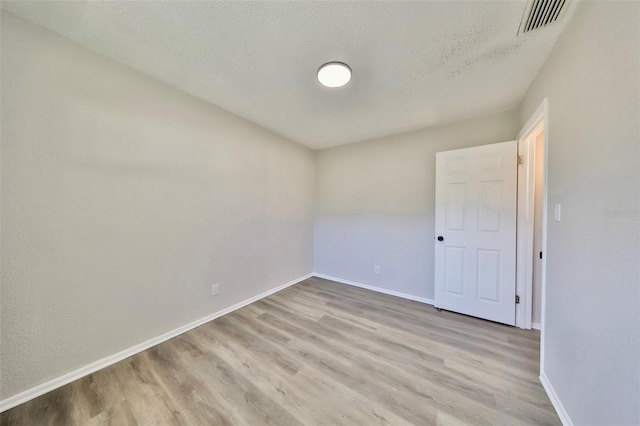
(536, 325)
(553, 397)
(43, 388)
(377, 289)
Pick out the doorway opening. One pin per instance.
(531, 232)
(490, 223)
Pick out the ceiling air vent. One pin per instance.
(540, 13)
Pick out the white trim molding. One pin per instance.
(553, 397)
(541, 116)
(535, 325)
(376, 289)
(525, 229)
(43, 388)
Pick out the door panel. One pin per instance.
(489, 265)
(454, 262)
(476, 216)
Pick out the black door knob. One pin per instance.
(440, 238)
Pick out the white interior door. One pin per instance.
(475, 245)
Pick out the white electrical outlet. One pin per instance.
(376, 269)
(215, 289)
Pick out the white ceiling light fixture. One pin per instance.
(334, 74)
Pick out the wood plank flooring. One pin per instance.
(317, 353)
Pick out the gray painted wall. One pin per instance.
(376, 203)
(123, 201)
(592, 335)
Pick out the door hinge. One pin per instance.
(517, 299)
(520, 160)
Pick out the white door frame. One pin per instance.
(540, 116)
(525, 228)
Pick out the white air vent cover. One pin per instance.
(540, 13)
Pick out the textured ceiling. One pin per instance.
(415, 64)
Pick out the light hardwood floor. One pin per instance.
(316, 353)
